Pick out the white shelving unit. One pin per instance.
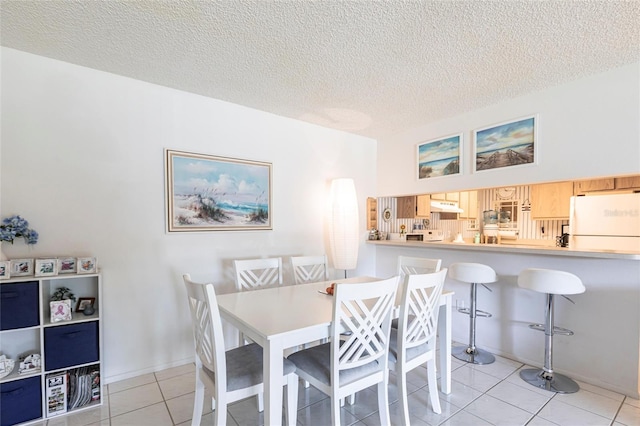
(72, 347)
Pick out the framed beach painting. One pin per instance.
(508, 144)
(210, 193)
(440, 157)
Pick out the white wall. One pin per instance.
(588, 127)
(82, 160)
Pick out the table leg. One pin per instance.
(444, 341)
(273, 382)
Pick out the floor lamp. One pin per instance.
(344, 236)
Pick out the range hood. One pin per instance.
(445, 207)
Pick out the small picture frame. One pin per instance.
(87, 265)
(21, 267)
(67, 265)
(60, 310)
(5, 269)
(83, 302)
(46, 267)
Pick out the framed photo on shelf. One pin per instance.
(440, 157)
(67, 265)
(21, 267)
(210, 193)
(60, 310)
(87, 265)
(46, 267)
(5, 269)
(83, 302)
(507, 144)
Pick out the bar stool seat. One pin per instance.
(474, 274)
(550, 282)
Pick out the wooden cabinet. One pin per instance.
(583, 186)
(446, 196)
(469, 204)
(628, 182)
(372, 213)
(415, 206)
(551, 200)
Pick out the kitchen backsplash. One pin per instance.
(527, 228)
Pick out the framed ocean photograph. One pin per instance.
(440, 157)
(210, 193)
(508, 144)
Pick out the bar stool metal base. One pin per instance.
(472, 356)
(555, 382)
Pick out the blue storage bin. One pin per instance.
(19, 305)
(68, 345)
(21, 401)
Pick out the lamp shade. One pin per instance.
(343, 224)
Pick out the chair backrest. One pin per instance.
(418, 321)
(252, 273)
(207, 330)
(417, 265)
(362, 313)
(309, 269)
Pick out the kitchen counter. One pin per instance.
(605, 349)
(512, 248)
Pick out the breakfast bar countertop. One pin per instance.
(513, 248)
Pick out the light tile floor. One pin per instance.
(490, 394)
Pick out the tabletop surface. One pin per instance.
(269, 311)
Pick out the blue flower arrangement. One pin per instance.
(15, 226)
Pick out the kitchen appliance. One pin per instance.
(605, 222)
(438, 206)
(563, 239)
(426, 235)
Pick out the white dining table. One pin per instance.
(282, 317)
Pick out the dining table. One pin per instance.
(282, 317)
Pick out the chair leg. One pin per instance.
(433, 386)
(260, 397)
(401, 379)
(292, 400)
(383, 402)
(220, 413)
(198, 401)
(335, 409)
(352, 399)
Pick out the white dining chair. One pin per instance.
(253, 273)
(414, 342)
(417, 265)
(358, 360)
(229, 375)
(309, 269)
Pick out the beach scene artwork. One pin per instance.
(208, 193)
(505, 145)
(440, 157)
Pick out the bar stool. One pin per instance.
(550, 282)
(474, 274)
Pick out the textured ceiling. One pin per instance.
(368, 67)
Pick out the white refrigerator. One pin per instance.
(605, 222)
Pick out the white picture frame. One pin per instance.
(21, 267)
(87, 265)
(67, 265)
(440, 157)
(5, 269)
(46, 267)
(60, 310)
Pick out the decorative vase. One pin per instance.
(89, 310)
(2, 256)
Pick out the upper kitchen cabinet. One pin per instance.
(583, 186)
(448, 196)
(469, 204)
(415, 206)
(551, 200)
(628, 182)
(372, 213)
